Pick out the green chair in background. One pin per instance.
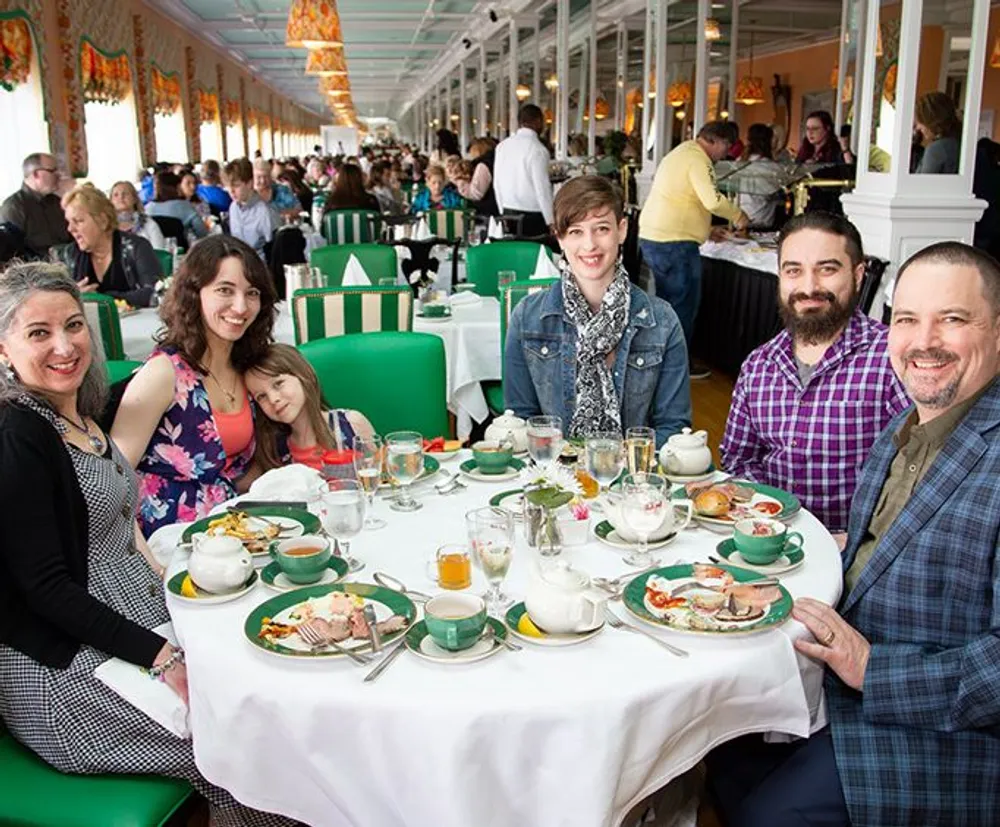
(351, 226)
(484, 261)
(166, 263)
(378, 261)
(119, 369)
(397, 380)
(319, 313)
(449, 224)
(102, 315)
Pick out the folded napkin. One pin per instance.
(399, 232)
(544, 268)
(466, 300)
(354, 274)
(495, 229)
(153, 698)
(164, 541)
(423, 231)
(292, 482)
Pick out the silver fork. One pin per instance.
(317, 641)
(617, 623)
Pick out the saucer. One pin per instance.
(203, 597)
(471, 470)
(423, 646)
(445, 318)
(512, 500)
(684, 479)
(274, 578)
(514, 614)
(790, 560)
(606, 533)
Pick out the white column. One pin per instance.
(592, 54)
(860, 49)
(734, 41)
(514, 76)
(648, 46)
(501, 99)
(482, 90)
(662, 113)
(701, 69)
(463, 109)
(845, 22)
(536, 75)
(448, 110)
(621, 73)
(581, 100)
(562, 73)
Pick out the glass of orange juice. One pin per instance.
(451, 567)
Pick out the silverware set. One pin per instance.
(617, 623)
(449, 485)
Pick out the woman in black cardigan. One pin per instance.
(78, 584)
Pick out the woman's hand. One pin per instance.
(86, 286)
(176, 676)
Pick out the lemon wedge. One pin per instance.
(187, 587)
(526, 627)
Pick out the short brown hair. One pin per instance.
(937, 112)
(94, 202)
(579, 197)
(960, 255)
(239, 171)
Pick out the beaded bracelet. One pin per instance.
(157, 672)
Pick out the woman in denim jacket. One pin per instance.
(595, 350)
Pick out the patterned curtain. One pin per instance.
(105, 78)
(231, 112)
(208, 106)
(15, 52)
(166, 92)
(253, 116)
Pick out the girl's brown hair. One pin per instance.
(937, 112)
(184, 328)
(281, 359)
(579, 197)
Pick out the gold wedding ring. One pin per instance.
(829, 638)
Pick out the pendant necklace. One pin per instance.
(230, 396)
(96, 443)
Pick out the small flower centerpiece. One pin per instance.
(546, 490)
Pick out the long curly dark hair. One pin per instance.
(184, 327)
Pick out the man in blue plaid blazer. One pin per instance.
(913, 651)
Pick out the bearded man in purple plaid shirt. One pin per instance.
(808, 404)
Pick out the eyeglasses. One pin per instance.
(53, 170)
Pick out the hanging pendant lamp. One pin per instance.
(326, 62)
(750, 89)
(314, 24)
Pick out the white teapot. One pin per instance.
(686, 453)
(612, 504)
(560, 600)
(219, 564)
(509, 427)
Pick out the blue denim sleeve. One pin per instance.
(672, 402)
(519, 393)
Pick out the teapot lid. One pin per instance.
(686, 439)
(565, 577)
(508, 420)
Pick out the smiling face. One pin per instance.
(229, 303)
(282, 398)
(48, 344)
(84, 228)
(188, 186)
(591, 245)
(944, 339)
(262, 183)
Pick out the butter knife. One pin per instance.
(386, 662)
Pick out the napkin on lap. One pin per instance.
(151, 697)
(544, 268)
(354, 274)
(294, 483)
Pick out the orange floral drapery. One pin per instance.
(15, 52)
(231, 112)
(253, 116)
(166, 91)
(208, 106)
(104, 78)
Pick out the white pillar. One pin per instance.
(662, 113)
(463, 109)
(701, 69)
(501, 99)
(448, 110)
(845, 22)
(581, 100)
(648, 46)
(734, 51)
(860, 49)
(536, 75)
(514, 75)
(562, 73)
(482, 89)
(621, 73)
(592, 54)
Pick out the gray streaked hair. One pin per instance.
(17, 283)
(34, 161)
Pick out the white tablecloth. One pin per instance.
(544, 736)
(746, 254)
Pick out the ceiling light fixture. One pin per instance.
(326, 62)
(522, 92)
(313, 24)
(712, 29)
(750, 89)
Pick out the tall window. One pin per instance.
(110, 124)
(253, 136)
(265, 141)
(210, 130)
(168, 117)
(21, 102)
(235, 147)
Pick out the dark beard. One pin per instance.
(818, 325)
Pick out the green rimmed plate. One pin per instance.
(605, 532)
(204, 598)
(274, 578)
(294, 522)
(386, 602)
(789, 561)
(790, 505)
(431, 466)
(470, 470)
(518, 610)
(512, 500)
(685, 619)
(423, 646)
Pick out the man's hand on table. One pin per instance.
(839, 645)
(742, 221)
(718, 233)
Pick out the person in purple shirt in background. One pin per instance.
(809, 404)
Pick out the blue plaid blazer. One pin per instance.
(921, 744)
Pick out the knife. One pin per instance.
(301, 506)
(386, 661)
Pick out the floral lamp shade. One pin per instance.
(166, 91)
(679, 93)
(15, 52)
(104, 78)
(335, 87)
(749, 91)
(326, 62)
(995, 54)
(314, 24)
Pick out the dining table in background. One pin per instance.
(576, 735)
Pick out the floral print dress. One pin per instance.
(185, 472)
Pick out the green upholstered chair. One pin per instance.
(449, 224)
(351, 226)
(378, 261)
(166, 262)
(102, 315)
(119, 369)
(319, 313)
(484, 261)
(397, 380)
(33, 794)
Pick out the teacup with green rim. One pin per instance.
(435, 311)
(465, 287)
(455, 621)
(761, 541)
(302, 559)
(492, 457)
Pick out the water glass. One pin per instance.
(405, 463)
(369, 455)
(545, 438)
(492, 538)
(342, 513)
(505, 277)
(644, 503)
(640, 449)
(605, 458)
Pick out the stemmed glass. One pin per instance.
(640, 446)
(605, 458)
(545, 438)
(405, 463)
(369, 452)
(343, 516)
(644, 501)
(492, 535)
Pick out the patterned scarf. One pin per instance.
(597, 335)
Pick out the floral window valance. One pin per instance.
(15, 52)
(208, 106)
(231, 112)
(166, 91)
(265, 121)
(104, 78)
(253, 116)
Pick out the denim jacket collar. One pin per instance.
(640, 312)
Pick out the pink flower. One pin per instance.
(187, 513)
(580, 511)
(208, 431)
(150, 485)
(185, 380)
(176, 457)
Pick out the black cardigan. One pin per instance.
(47, 612)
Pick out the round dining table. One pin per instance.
(574, 735)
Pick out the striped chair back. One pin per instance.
(449, 224)
(351, 226)
(484, 261)
(321, 313)
(102, 315)
(512, 294)
(378, 261)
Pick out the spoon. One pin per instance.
(490, 634)
(390, 582)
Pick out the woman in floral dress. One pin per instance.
(186, 420)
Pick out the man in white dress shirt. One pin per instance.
(521, 174)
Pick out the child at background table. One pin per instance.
(297, 425)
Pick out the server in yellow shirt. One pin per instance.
(677, 217)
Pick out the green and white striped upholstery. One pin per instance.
(102, 315)
(449, 224)
(351, 226)
(321, 313)
(378, 261)
(484, 261)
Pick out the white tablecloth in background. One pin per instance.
(539, 737)
(747, 254)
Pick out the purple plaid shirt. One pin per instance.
(813, 440)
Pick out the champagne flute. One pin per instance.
(369, 452)
(640, 447)
(343, 516)
(544, 438)
(644, 503)
(405, 463)
(605, 458)
(492, 531)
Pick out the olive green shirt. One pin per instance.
(917, 448)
